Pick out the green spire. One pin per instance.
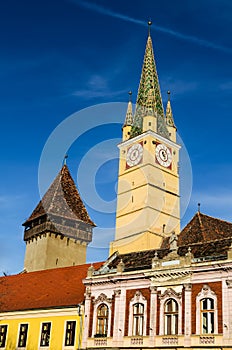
(149, 101)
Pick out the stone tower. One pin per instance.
(59, 229)
(148, 203)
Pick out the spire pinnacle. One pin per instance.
(169, 115)
(149, 27)
(129, 113)
(65, 159)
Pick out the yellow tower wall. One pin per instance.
(148, 205)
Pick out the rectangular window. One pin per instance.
(70, 333)
(138, 319)
(45, 334)
(22, 342)
(3, 333)
(207, 316)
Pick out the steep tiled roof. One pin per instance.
(61, 287)
(207, 236)
(62, 199)
(204, 228)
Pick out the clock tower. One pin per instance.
(148, 202)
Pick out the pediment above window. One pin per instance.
(170, 293)
(102, 298)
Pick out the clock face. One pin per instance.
(163, 155)
(134, 154)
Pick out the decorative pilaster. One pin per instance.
(118, 328)
(86, 317)
(153, 314)
(187, 313)
(227, 311)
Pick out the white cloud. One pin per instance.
(178, 87)
(98, 86)
(227, 86)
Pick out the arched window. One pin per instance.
(207, 315)
(138, 319)
(206, 311)
(171, 317)
(102, 320)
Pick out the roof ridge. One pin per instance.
(48, 271)
(56, 190)
(212, 217)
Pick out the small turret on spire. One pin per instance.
(169, 115)
(169, 119)
(129, 113)
(128, 120)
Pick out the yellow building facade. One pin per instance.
(56, 329)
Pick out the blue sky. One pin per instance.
(58, 57)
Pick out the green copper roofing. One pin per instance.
(169, 114)
(149, 101)
(129, 114)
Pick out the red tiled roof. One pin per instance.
(62, 199)
(204, 228)
(60, 287)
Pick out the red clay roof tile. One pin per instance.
(62, 199)
(61, 287)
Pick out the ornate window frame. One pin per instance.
(102, 299)
(137, 299)
(177, 297)
(206, 292)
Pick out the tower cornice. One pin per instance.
(152, 134)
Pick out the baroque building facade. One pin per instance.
(178, 296)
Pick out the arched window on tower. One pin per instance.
(102, 320)
(138, 319)
(170, 317)
(207, 316)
